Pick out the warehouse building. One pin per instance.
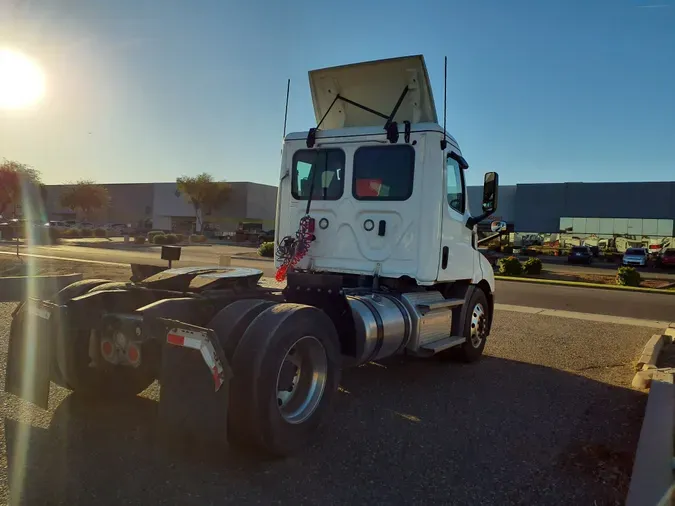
(617, 215)
(162, 206)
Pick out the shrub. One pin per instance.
(158, 239)
(153, 233)
(510, 266)
(171, 238)
(100, 232)
(71, 232)
(627, 276)
(139, 239)
(266, 249)
(532, 266)
(507, 250)
(197, 238)
(86, 232)
(180, 237)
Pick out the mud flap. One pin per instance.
(194, 379)
(29, 357)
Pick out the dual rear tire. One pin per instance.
(285, 361)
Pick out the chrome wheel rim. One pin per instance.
(301, 379)
(478, 325)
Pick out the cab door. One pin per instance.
(457, 252)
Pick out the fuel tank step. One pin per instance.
(442, 344)
(445, 303)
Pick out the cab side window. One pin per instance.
(454, 185)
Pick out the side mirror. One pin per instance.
(490, 198)
(490, 193)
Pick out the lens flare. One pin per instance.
(22, 82)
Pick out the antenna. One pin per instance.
(288, 90)
(444, 143)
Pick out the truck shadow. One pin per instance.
(400, 431)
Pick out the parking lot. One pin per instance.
(547, 417)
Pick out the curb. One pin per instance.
(652, 475)
(585, 285)
(646, 364)
(16, 288)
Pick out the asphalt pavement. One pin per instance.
(650, 306)
(546, 417)
(598, 301)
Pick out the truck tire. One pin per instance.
(231, 322)
(286, 371)
(108, 381)
(65, 294)
(474, 320)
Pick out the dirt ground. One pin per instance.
(28, 266)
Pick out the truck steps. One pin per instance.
(442, 344)
(445, 303)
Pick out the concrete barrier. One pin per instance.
(652, 478)
(16, 288)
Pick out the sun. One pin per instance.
(22, 82)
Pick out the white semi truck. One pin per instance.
(378, 250)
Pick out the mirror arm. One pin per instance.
(474, 220)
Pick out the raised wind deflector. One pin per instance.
(355, 95)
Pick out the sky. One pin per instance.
(148, 90)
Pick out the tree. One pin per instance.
(15, 178)
(85, 195)
(205, 194)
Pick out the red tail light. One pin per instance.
(107, 348)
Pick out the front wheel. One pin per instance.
(286, 370)
(474, 327)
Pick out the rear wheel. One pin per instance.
(105, 380)
(61, 297)
(231, 322)
(286, 371)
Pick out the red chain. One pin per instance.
(303, 241)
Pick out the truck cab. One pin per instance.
(387, 195)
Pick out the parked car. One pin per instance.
(117, 229)
(667, 258)
(580, 255)
(635, 257)
(266, 236)
(58, 225)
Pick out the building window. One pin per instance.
(647, 227)
(383, 172)
(325, 166)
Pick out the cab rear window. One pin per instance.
(319, 172)
(383, 172)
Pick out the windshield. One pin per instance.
(669, 253)
(579, 249)
(635, 252)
